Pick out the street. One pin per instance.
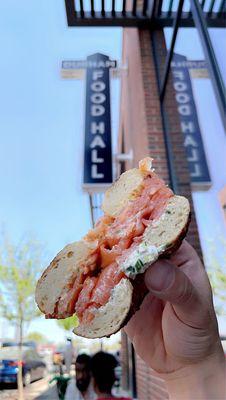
(39, 390)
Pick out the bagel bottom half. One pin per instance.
(166, 234)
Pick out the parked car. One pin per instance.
(16, 344)
(33, 368)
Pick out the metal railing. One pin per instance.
(152, 13)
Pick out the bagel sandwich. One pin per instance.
(101, 277)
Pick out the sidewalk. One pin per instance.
(49, 394)
(39, 390)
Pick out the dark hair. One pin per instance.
(102, 366)
(84, 359)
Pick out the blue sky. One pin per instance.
(41, 125)
(42, 120)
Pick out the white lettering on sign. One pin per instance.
(178, 74)
(97, 128)
(97, 110)
(98, 98)
(196, 173)
(97, 74)
(180, 86)
(94, 172)
(188, 127)
(94, 157)
(194, 155)
(97, 142)
(190, 141)
(98, 86)
(182, 98)
(191, 64)
(184, 109)
(77, 64)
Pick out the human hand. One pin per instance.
(175, 331)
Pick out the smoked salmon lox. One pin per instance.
(100, 278)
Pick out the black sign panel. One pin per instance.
(198, 168)
(98, 151)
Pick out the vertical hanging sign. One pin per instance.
(98, 147)
(193, 143)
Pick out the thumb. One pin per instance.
(171, 284)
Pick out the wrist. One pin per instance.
(205, 380)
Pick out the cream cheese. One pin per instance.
(138, 261)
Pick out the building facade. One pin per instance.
(144, 120)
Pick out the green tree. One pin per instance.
(19, 270)
(37, 337)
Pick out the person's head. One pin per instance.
(103, 371)
(83, 372)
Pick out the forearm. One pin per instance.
(205, 381)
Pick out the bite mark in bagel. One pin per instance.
(143, 220)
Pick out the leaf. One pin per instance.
(139, 264)
(68, 323)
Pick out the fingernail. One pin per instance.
(160, 276)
